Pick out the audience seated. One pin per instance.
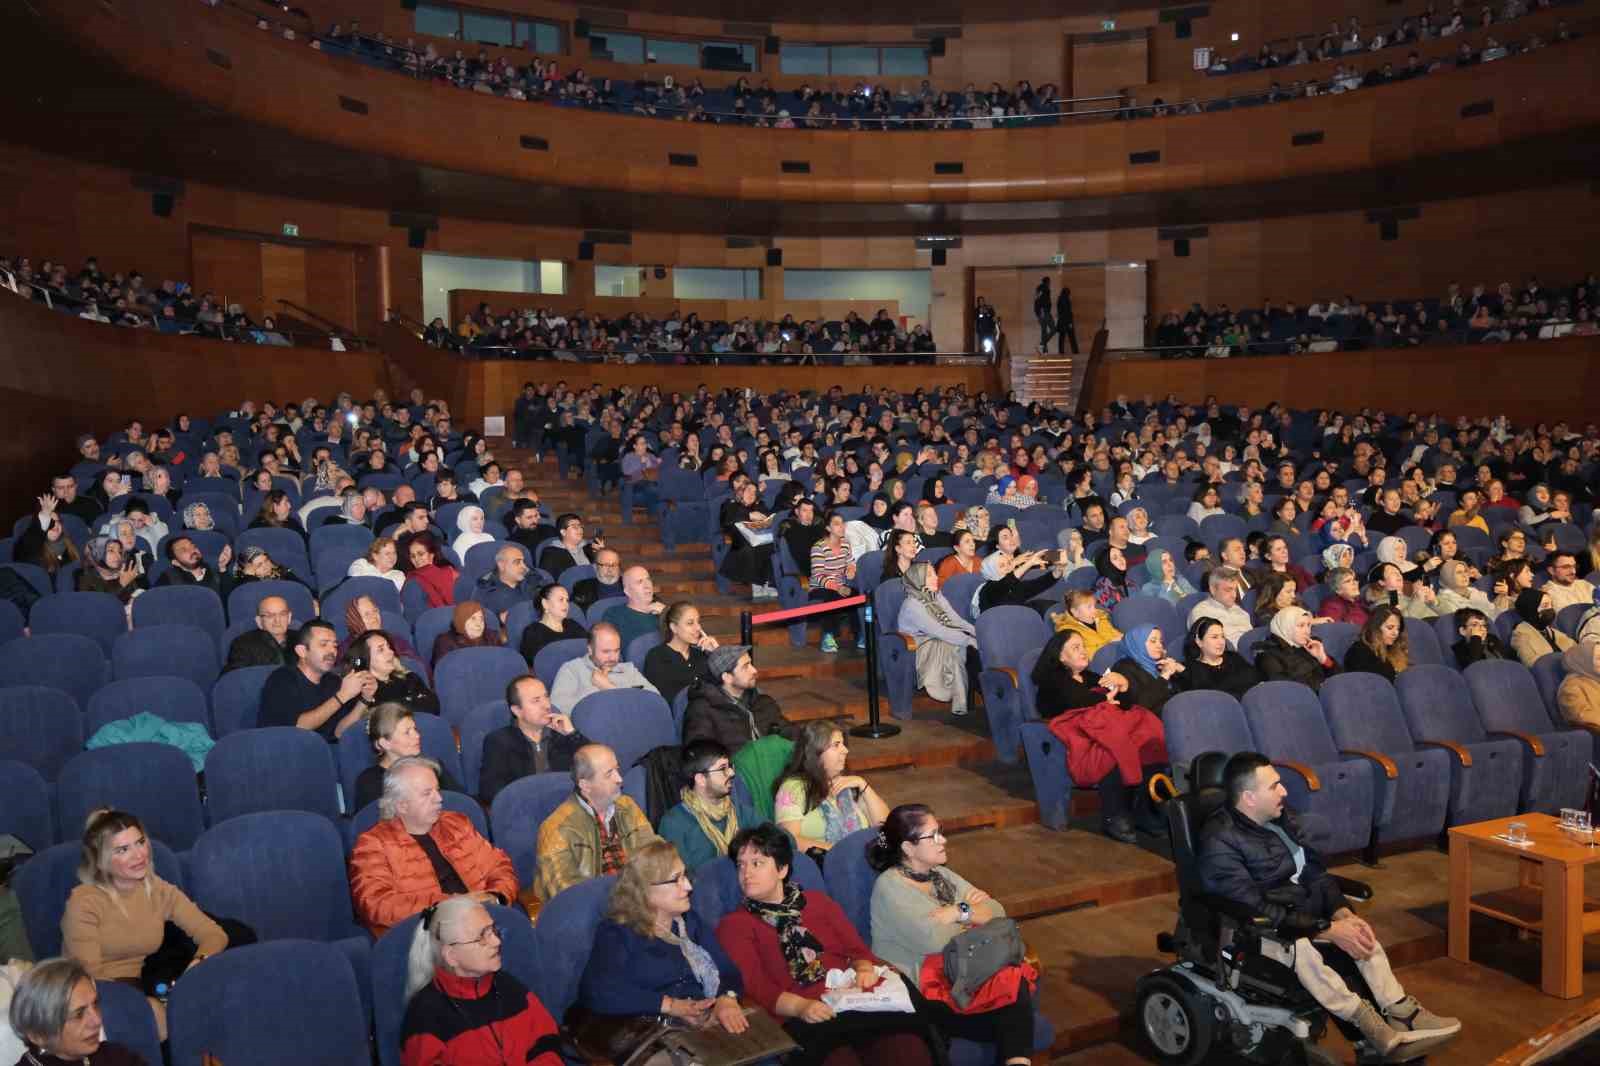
(1382, 647)
(538, 740)
(505, 586)
(595, 830)
(919, 904)
(606, 583)
(1290, 652)
(116, 919)
(709, 813)
(1535, 634)
(310, 695)
(1578, 697)
(1084, 617)
(682, 658)
(653, 955)
(748, 529)
(1151, 673)
(552, 603)
(1108, 744)
(1253, 851)
(374, 653)
(1223, 604)
(392, 732)
(728, 707)
(420, 854)
(1565, 588)
(461, 1006)
(570, 550)
(267, 644)
(468, 629)
(784, 940)
(946, 643)
(601, 670)
(641, 613)
(815, 801)
(1209, 664)
(55, 1009)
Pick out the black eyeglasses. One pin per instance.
(482, 939)
(936, 836)
(680, 878)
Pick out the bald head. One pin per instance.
(510, 565)
(637, 586)
(273, 616)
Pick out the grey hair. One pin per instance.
(427, 943)
(193, 509)
(583, 762)
(1336, 575)
(347, 504)
(1218, 575)
(150, 475)
(394, 789)
(39, 1004)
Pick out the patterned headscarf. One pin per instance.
(916, 584)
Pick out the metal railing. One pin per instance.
(57, 300)
(1545, 329)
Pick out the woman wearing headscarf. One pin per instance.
(1291, 653)
(1579, 694)
(933, 489)
(106, 568)
(1005, 569)
(361, 616)
(1163, 579)
(1456, 592)
(1536, 634)
(1536, 506)
(1150, 671)
(430, 571)
(468, 629)
(469, 526)
(946, 644)
(1111, 587)
(1386, 584)
(1210, 665)
(1105, 743)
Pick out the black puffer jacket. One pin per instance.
(713, 715)
(1244, 861)
(1280, 661)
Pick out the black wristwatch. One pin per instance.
(964, 910)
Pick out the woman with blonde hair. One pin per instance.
(462, 1008)
(945, 641)
(116, 918)
(382, 559)
(1382, 648)
(652, 956)
(1084, 617)
(392, 732)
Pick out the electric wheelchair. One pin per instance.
(1223, 997)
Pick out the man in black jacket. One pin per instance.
(538, 740)
(268, 643)
(733, 712)
(1251, 851)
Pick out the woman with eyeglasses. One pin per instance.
(919, 905)
(462, 1009)
(652, 955)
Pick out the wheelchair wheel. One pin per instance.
(1175, 1018)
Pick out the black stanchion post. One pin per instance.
(875, 729)
(746, 630)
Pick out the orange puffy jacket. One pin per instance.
(391, 878)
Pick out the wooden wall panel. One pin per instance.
(1485, 379)
(1102, 67)
(1010, 290)
(331, 284)
(283, 276)
(231, 267)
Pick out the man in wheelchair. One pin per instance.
(1251, 854)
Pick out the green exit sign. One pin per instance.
(1108, 24)
(291, 230)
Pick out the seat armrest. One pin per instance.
(1390, 770)
(1462, 755)
(1231, 908)
(1359, 891)
(1011, 673)
(911, 642)
(1535, 745)
(1313, 782)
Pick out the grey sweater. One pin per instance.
(902, 931)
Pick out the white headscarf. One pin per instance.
(1284, 623)
(467, 538)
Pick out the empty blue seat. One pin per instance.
(26, 813)
(270, 1003)
(189, 605)
(1486, 772)
(897, 660)
(1047, 767)
(176, 699)
(97, 615)
(1336, 638)
(1005, 634)
(153, 781)
(518, 812)
(128, 1020)
(281, 768)
(1285, 719)
(478, 724)
(40, 726)
(469, 676)
(564, 937)
(1364, 716)
(1202, 721)
(1555, 758)
(1424, 643)
(44, 882)
(66, 661)
(630, 721)
(236, 699)
(1548, 673)
(280, 872)
(171, 650)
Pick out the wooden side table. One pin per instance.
(1548, 899)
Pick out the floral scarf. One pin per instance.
(801, 950)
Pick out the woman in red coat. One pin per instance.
(784, 941)
(1343, 604)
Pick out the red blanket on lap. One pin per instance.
(1105, 736)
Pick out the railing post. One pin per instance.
(875, 729)
(746, 630)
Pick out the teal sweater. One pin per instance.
(695, 848)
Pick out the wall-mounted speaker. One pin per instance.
(774, 257)
(773, 45)
(585, 249)
(1389, 230)
(580, 28)
(661, 273)
(939, 257)
(1184, 29)
(936, 47)
(161, 204)
(1180, 247)
(416, 237)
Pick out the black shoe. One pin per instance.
(1120, 827)
(1150, 821)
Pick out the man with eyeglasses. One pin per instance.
(594, 830)
(268, 643)
(709, 815)
(1565, 587)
